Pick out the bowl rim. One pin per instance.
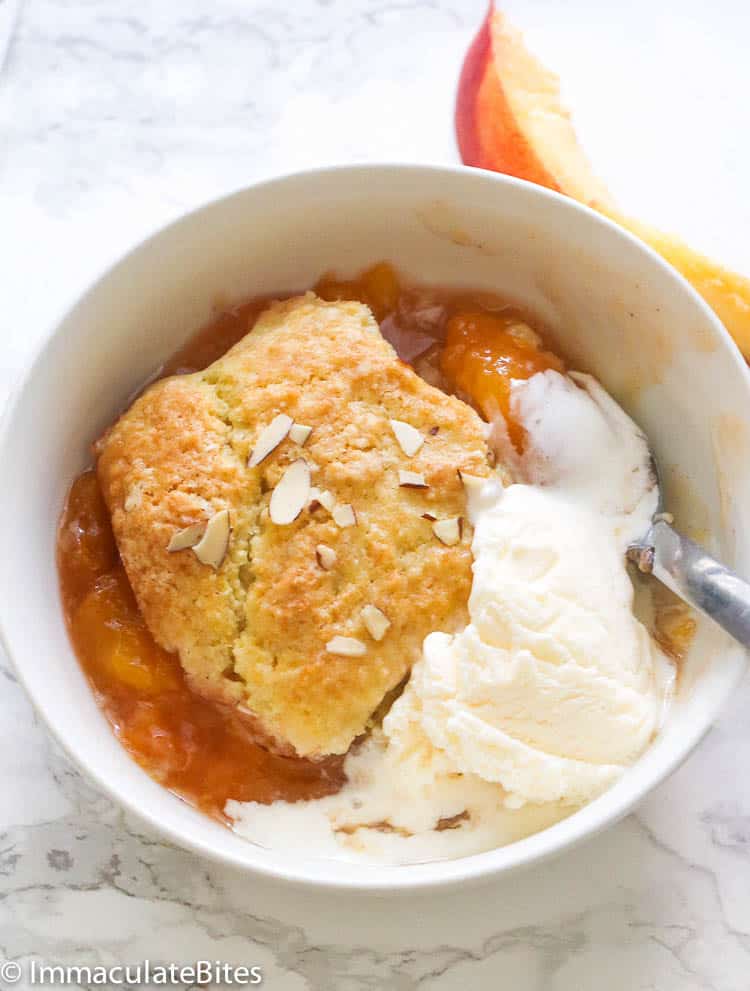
(410, 878)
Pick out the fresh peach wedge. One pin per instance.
(509, 118)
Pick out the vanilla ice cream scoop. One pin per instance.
(554, 687)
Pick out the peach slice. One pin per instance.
(509, 118)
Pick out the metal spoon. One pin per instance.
(693, 574)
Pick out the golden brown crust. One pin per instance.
(254, 632)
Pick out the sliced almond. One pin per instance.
(411, 480)
(321, 497)
(182, 540)
(327, 500)
(290, 496)
(448, 531)
(376, 622)
(409, 438)
(326, 556)
(212, 547)
(343, 515)
(346, 647)
(270, 438)
(299, 433)
(133, 499)
(472, 483)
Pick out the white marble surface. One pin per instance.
(115, 118)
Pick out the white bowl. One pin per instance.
(615, 308)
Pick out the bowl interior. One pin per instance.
(613, 308)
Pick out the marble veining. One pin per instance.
(115, 118)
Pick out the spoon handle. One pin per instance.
(696, 577)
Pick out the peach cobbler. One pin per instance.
(323, 576)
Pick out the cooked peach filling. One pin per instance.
(204, 752)
(484, 352)
(378, 287)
